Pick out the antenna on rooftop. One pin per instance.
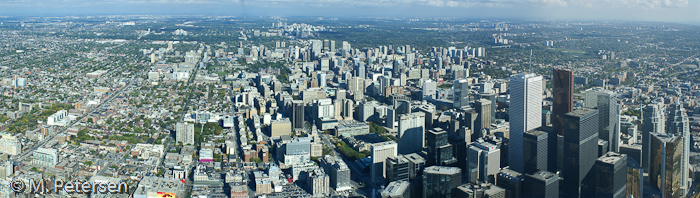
(530, 60)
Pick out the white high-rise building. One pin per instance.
(381, 151)
(321, 79)
(324, 108)
(10, 144)
(44, 157)
(356, 85)
(184, 132)
(483, 160)
(411, 132)
(525, 113)
(429, 89)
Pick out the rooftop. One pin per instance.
(543, 175)
(612, 158)
(536, 133)
(445, 170)
(581, 112)
(505, 172)
(395, 188)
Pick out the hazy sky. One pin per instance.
(687, 11)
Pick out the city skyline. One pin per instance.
(269, 106)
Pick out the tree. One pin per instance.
(256, 160)
(88, 163)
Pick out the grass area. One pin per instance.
(445, 86)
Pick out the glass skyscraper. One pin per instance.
(580, 148)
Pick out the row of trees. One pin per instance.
(349, 152)
(380, 131)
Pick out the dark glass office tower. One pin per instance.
(580, 148)
(541, 184)
(635, 179)
(297, 114)
(535, 149)
(665, 171)
(610, 178)
(440, 151)
(563, 94)
(438, 181)
(511, 181)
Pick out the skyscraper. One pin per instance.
(666, 151)
(580, 146)
(359, 70)
(541, 184)
(610, 179)
(321, 79)
(679, 125)
(397, 68)
(483, 161)
(563, 94)
(380, 152)
(491, 97)
(416, 164)
(397, 168)
(338, 171)
(461, 93)
(323, 108)
(297, 114)
(365, 110)
(184, 132)
(332, 46)
(429, 89)
(483, 120)
(326, 45)
(438, 181)
(316, 47)
(635, 179)
(525, 114)
(652, 122)
(402, 106)
(609, 115)
(511, 181)
(356, 85)
(440, 151)
(411, 132)
(535, 150)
